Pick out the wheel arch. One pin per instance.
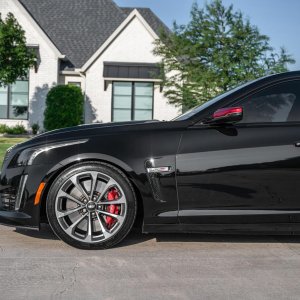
(106, 159)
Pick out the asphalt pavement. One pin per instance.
(36, 265)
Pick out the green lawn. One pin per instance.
(5, 143)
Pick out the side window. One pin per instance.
(278, 103)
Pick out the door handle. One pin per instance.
(297, 144)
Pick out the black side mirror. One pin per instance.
(227, 115)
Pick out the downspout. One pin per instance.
(83, 75)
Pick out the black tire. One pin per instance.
(115, 174)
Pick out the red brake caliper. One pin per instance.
(113, 209)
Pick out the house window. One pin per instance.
(132, 101)
(14, 100)
(75, 83)
(3, 102)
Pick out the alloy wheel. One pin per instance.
(90, 207)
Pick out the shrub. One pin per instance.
(3, 128)
(35, 128)
(18, 129)
(64, 107)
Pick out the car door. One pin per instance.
(248, 172)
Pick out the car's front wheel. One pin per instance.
(91, 206)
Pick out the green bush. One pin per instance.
(3, 128)
(35, 128)
(64, 107)
(18, 129)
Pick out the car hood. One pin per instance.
(92, 127)
(85, 131)
(98, 129)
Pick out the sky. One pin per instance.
(278, 19)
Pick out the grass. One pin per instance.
(5, 143)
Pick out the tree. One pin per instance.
(217, 50)
(15, 57)
(64, 107)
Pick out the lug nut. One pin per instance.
(84, 210)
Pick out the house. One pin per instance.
(105, 49)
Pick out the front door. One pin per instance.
(247, 173)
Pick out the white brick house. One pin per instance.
(105, 49)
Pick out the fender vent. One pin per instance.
(155, 186)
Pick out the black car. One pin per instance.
(231, 165)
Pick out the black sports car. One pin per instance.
(231, 165)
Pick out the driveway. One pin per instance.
(36, 265)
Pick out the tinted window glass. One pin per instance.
(278, 103)
(192, 112)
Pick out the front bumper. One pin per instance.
(11, 195)
(17, 191)
(14, 218)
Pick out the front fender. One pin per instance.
(137, 179)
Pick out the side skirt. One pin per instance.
(272, 229)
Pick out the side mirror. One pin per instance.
(227, 115)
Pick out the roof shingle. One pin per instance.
(78, 28)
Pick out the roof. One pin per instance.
(151, 18)
(78, 28)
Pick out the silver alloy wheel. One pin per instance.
(82, 207)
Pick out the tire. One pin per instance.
(79, 208)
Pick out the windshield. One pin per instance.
(188, 114)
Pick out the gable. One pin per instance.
(133, 41)
(154, 22)
(133, 44)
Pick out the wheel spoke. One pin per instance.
(61, 214)
(89, 233)
(108, 185)
(117, 217)
(61, 193)
(71, 228)
(105, 233)
(94, 181)
(79, 187)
